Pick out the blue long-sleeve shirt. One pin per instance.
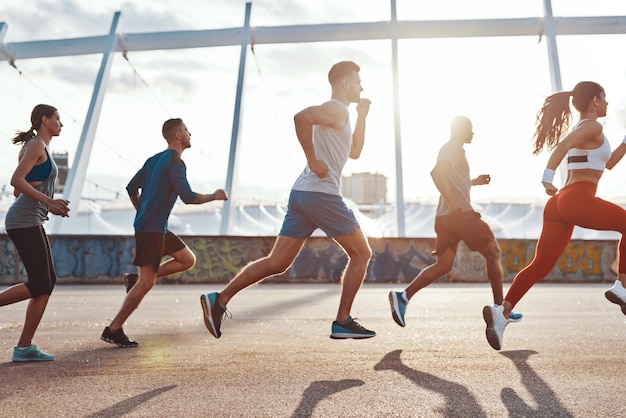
(162, 179)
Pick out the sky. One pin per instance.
(499, 83)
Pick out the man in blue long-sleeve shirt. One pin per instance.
(153, 191)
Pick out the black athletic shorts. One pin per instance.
(152, 246)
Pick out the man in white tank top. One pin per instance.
(327, 140)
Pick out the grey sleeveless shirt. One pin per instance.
(26, 211)
(333, 147)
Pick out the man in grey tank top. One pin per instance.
(315, 201)
(455, 221)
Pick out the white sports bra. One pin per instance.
(595, 158)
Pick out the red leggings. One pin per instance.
(574, 204)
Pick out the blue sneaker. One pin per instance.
(213, 313)
(515, 316)
(398, 303)
(350, 329)
(31, 353)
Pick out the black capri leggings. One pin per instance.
(34, 249)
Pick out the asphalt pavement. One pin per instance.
(275, 358)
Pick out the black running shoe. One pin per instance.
(118, 338)
(129, 280)
(350, 329)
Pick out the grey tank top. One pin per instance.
(333, 147)
(26, 212)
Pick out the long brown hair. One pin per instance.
(36, 117)
(555, 115)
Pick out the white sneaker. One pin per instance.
(496, 322)
(617, 295)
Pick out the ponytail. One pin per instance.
(36, 117)
(23, 137)
(552, 120)
(554, 117)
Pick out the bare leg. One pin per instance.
(359, 253)
(13, 294)
(491, 252)
(147, 279)
(285, 251)
(181, 260)
(34, 313)
(443, 265)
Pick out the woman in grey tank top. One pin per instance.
(33, 181)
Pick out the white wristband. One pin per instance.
(548, 176)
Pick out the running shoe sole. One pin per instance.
(122, 345)
(393, 301)
(612, 297)
(348, 335)
(208, 318)
(25, 359)
(490, 332)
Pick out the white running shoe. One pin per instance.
(617, 295)
(496, 322)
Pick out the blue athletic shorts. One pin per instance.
(308, 211)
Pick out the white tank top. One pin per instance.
(333, 147)
(594, 158)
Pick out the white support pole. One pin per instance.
(76, 176)
(553, 54)
(549, 32)
(397, 123)
(231, 175)
(3, 52)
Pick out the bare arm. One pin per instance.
(358, 136)
(330, 114)
(482, 179)
(219, 194)
(617, 155)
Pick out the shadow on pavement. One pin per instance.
(548, 403)
(459, 401)
(121, 408)
(317, 391)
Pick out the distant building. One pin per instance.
(365, 189)
(61, 159)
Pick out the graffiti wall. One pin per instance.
(103, 259)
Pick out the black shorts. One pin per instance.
(466, 227)
(33, 246)
(152, 246)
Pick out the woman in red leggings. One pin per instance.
(588, 153)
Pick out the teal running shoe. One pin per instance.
(31, 353)
(398, 302)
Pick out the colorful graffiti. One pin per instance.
(95, 259)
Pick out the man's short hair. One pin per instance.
(170, 126)
(460, 124)
(341, 70)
